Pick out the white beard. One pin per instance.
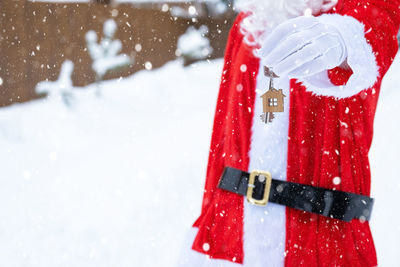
(265, 15)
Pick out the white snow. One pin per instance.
(62, 88)
(384, 156)
(117, 180)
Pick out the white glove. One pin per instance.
(302, 47)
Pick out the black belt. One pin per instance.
(260, 188)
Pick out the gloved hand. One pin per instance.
(303, 46)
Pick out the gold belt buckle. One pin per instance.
(267, 187)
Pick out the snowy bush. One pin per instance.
(105, 54)
(60, 89)
(193, 45)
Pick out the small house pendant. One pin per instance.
(273, 99)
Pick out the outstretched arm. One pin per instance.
(357, 39)
(216, 158)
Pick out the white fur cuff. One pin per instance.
(360, 58)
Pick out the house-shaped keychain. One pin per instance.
(273, 99)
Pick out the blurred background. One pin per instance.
(106, 110)
(38, 36)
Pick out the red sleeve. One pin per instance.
(221, 221)
(381, 19)
(215, 160)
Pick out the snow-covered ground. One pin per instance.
(117, 180)
(114, 181)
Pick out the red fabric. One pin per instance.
(339, 76)
(327, 138)
(221, 221)
(331, 138)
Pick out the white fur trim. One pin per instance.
(360, 58)
(265, 227)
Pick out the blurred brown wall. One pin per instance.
(35, 38)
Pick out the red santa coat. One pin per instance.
(329, 135)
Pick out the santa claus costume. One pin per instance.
(331, 65)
